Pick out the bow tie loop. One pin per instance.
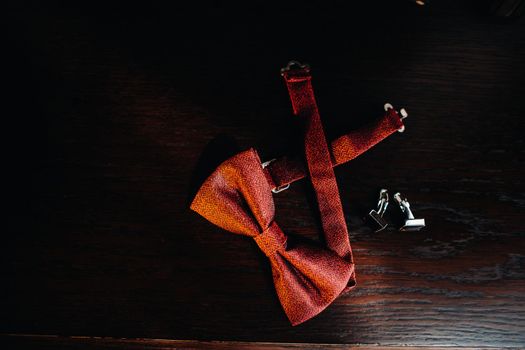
(271, 240)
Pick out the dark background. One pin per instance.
(109, 108)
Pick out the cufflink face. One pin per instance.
(411, 223)
(377, 215)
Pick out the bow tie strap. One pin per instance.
(286, 170)
(318, 160)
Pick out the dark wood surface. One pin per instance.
(81, 342)
(111, 107)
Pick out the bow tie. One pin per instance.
(238, 197)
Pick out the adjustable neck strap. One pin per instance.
(319, 161)
(285, 170)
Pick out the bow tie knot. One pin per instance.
(271, 240)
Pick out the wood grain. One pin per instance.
(110, 110)
(20, 341)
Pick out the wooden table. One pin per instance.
(111, 107)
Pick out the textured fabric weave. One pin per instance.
(318, 160)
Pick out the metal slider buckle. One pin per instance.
(277, 189)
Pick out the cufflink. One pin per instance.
(377, 215)
(411, 223)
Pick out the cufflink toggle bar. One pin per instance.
(411, 223)
(377, 215)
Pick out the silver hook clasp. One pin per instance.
(402, 111)
(280, 189)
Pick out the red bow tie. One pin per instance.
(238, 198)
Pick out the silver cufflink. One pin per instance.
(411, 223)
(377, 215)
